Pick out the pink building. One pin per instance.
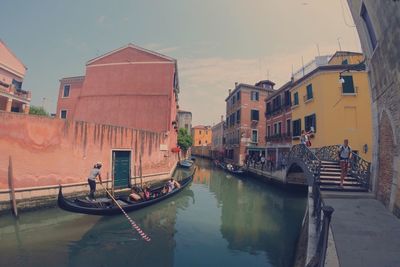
(12, 73)
(245, 121)
(278, 117)
(130, 87)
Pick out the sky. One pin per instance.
(216, 42)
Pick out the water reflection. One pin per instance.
(111, 242)
(220, 220)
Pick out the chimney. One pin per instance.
(229, 91)
(222, 117)
(236, 84)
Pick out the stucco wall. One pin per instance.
(49, 151)
(384, 76)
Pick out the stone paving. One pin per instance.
(365, 233)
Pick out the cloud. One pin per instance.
(205, 82)
(101, 19)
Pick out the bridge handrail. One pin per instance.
(359, 168)
(321, 212)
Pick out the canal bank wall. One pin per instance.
(39, 153)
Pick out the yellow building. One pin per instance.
(336, 102)
(201, 135)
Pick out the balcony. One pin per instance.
(10, 91)
(279, 137)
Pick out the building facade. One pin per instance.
(377, 24)
(334, 110)
(12, 73)
(130, 86)
(218, 141)
(201, 135)
(245, 121)
(278, 124)
(185, 120)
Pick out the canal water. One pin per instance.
(220, 220)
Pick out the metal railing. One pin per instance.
(322, 213)
(359, 168)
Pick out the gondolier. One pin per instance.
(94, 173)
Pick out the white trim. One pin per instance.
(66, 113)
(129, 63)
(131, 46)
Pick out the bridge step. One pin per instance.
(330, 163)
(345, 188)
(337, 183)
(331, 171)
(337, 178)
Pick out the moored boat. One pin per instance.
(186, 163)
(105, 206)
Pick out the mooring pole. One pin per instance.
(12, 189)
(140, 167)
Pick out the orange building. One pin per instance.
(201, 135)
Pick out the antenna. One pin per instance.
(319, 54)
(338, 40)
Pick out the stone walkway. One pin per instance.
(366, 234)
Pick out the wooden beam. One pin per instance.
(12, 189)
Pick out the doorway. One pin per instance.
(121, 168)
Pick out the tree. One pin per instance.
(34, 110)
(184, 139)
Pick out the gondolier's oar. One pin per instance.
(134, 225)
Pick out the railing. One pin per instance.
(304, 154)
(13, 91)
(321, 212)
(359, 168)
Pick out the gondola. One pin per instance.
(186, 163)
(105, 206)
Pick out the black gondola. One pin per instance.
(105, 206)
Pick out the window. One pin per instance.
(309, 92)
(297, 127)
(206, 132)
(199, 142)
(238, 116)
(345, 62)
(310, 121)
(63, 114)
(238, 96)
(269, 108)
(288, 101)
(199, 132)
(233, 100)
(254, 115)
(348, 85)
(66, 90)
(254, 96)
(296, 98)
(276, 103)
(368, 24)
(269, 131)
(254, 136)
(17, 84)
(288, 124)
(279, 127)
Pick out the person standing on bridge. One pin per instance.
(344, 156)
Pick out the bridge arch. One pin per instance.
(298, 173)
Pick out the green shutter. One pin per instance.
(309, 91)
(348, 85)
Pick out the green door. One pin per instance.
(122, 168)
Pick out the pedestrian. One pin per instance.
(283, 163)
(94, 173)
(262, 162)
(305, 138)
(344, 157)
